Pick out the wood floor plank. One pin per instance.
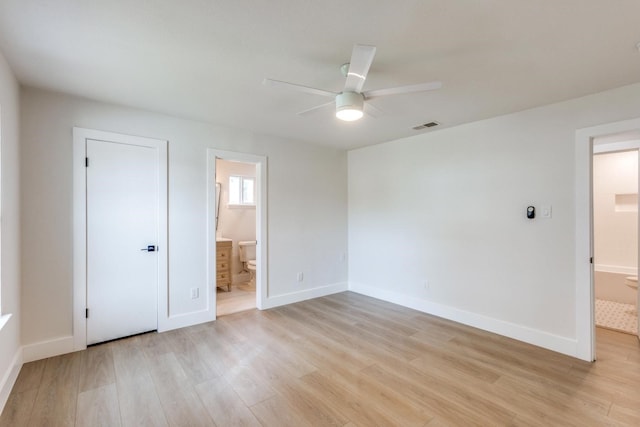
(98, 407)
(180, 402)
(301, 397)
(452, 403)
(345, 335)
(354, 405)
(194, 358)
(224, 405)
(624, 414)
(17, 410)
(129, 360)
(30, 376)
(97, 369)
(182, 407)
(276, 411)
(358, 315)
(387, 399)
(455, 363)
(341, 360)
(248, 386)
(57, 395)
(139, 401)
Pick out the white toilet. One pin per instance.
(248, 258)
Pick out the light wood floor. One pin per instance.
(342, 360)
(241, 297)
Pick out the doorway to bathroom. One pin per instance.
(616, 136)
(237, 234)
(615, 232)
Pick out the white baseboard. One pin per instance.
(187, 319)
(293, 297)
(521, 333)
(9, 378)
(49, 348)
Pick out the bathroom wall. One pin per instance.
(615, 220)
(237, 222)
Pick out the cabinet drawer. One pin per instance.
(222, 265)
(222, 276)
(224, 254)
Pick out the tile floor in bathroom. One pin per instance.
(616, 316)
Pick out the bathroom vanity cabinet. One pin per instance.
(223, 263)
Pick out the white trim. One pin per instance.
(617, 269)
(4, 319)
(536, 337)
(305, 294)
(80, 135)
(10, 377)
(585, 310)
(612, 147)
(49, 348)
(262, 286)
(183, 320)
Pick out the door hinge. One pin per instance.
(86, 313)
(86, 162)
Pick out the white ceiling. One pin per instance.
(206, 59)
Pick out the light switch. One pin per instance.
(545, 211)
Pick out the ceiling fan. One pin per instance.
(350, 102)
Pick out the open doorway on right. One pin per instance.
(615, 234)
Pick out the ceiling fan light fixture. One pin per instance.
(349, 106)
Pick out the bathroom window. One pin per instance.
(242, 190)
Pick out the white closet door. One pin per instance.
(122, 237)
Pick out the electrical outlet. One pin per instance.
(300, 277)
(195, 293)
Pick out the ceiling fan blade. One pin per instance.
(402, 89)
(361, 59)
(315, 109)
(300, 88)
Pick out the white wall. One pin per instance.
(236, 223)
(306, 205)
(449, 207)
(10, 354)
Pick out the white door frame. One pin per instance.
(261, 220)
(584, 286)
(80, 135)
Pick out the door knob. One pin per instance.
(150, 248)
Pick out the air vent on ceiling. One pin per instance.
(426, 125)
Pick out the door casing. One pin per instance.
(261, 221)
(80, 135)
(585, 343)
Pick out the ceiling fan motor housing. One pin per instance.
(349, 105)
